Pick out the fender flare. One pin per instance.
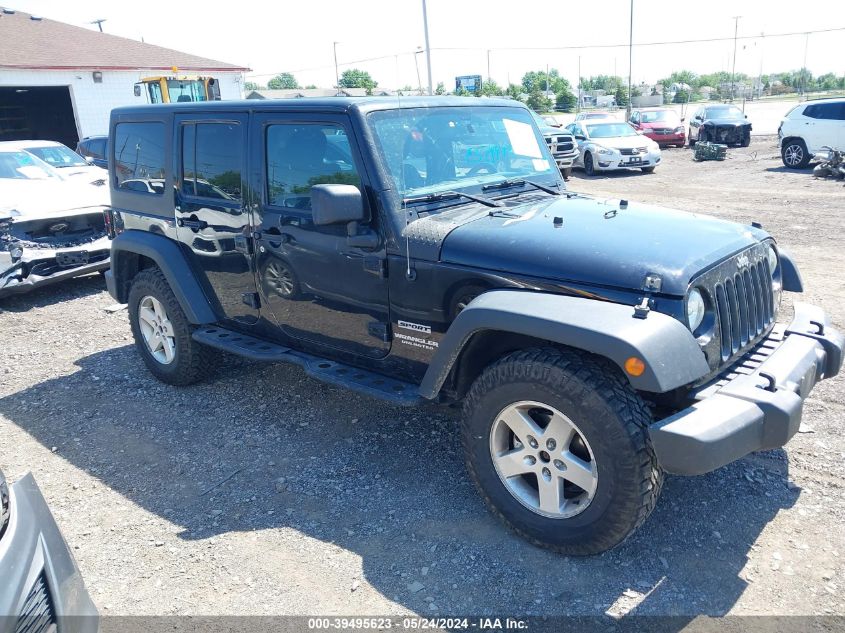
(169, 258)
(671, 354)
(791, 277)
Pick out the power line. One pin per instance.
(557, 48)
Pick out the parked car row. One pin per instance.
(52, 225)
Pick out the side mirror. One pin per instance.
(640, 132)
(89, 160)
(137, 90)
(580, 137)
(336, 204)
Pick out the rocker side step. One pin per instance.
(361, 380)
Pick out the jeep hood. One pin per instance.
(734, 122)
(597, 243)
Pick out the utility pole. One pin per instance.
(427, 48)
(547, 81)
(417, 64)
(578, 89)
(630, 60)
(488, 64)
(336, 74)
(804, 67)
(733, 68)
(99, 23)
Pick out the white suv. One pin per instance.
(809, 126)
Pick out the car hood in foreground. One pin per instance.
(623, 142)
(597, 242)
(33, 199)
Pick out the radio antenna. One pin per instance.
(409, 274)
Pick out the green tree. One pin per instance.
(310, 87)
(565, 100)
(283, 81)
(621, 96)
(490, 88)
(249, 86)
(539, 102)
(544, 82)
(441, 89)
(514, 92)
(354, 78)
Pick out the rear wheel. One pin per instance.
(163, 333)
(557, 443)
(794, 154)
(589, 167)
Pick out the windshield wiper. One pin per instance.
(519, 182)
(451, 195)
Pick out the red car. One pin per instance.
(662, 125)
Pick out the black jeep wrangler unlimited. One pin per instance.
(428, 250)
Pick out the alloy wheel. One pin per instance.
(280, 279)
(793, 155)
(543, 459)
(157, 330)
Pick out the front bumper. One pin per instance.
(40, 583)
(667, 139)
(565, 160)
(40, 267)
(619, 161)
(758, 405)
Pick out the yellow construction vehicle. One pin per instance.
(177, 89)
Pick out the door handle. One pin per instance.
(194, 225)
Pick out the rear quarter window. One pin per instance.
(139, 163)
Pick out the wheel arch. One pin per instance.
(501, 321)
(133, 251)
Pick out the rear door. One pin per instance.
(213, 222)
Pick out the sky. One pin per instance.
(299, 37)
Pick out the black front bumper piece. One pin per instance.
(758, 404)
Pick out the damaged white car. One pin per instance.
(51, 228)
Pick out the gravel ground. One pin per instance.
(262, 491)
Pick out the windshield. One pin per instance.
(23, 165)
(58, 156)
(427, 150)
(610, 130)
(185, 90)
(724, 112)
(669, 116)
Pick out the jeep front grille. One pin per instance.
(745, 306)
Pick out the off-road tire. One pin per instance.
(193, 361)
(611, 416)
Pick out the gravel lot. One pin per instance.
(265, 492)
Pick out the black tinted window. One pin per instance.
(139, 157)
(829, 111)
(211, 160)
(300, 156)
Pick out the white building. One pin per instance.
(60, 82)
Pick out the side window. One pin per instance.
(98, 148)
(211, 160)
(139, 157)
(812, 111)
(300, 156)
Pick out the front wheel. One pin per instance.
(567, 172)
(648, 170)
(557, 443)
(794, 154)
(163, 333)
(589, 166)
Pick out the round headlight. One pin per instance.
(695, 309)
(772, 256)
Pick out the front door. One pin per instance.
(319, 289)
(211, 218)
